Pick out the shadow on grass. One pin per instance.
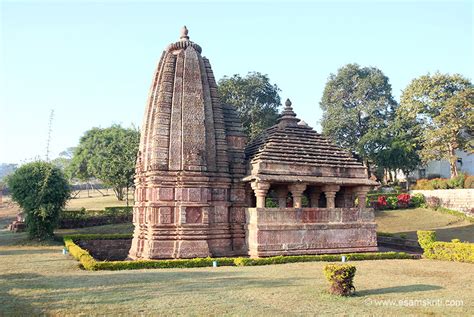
(20, 276)
(25, 251)
(11, 305)
(101, 288)
(463, 233)
(399, 289)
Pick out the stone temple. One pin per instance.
(202, 190)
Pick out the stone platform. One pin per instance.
(298, 231)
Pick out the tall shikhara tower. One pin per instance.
(189, 199)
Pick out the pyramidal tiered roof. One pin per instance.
(291, 147)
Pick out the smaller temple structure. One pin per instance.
(290, 161)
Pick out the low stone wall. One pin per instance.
(299, 231)
(107, 250)
(456, 199)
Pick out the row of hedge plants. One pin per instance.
(449, 251)
(395, 201)
(89, 263)
(88, 218)
(460, 181)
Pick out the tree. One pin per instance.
(64, 160)
(442, 105)
(255, 98)
(109, 155)
(357, 105)
(42, 191)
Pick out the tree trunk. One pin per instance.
(453, 159)
(118, 193)
(127, 195)
(407, 182)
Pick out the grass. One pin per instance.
(39, 280)
(96, 201)
(50, 283)
(408, 221)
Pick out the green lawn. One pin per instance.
(408, 221)
(95, 200)
(40, 280)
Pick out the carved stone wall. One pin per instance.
(295, 231)
(189, 193)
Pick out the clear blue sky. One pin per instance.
(92, 62)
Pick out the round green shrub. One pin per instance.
(417, 200)
(469, 182)
(341, 277)
(41, 190)
(392, 202)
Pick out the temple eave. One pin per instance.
(310, 179)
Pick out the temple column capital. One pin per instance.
(297, 192)
(361, 193)
(260, 189)
(330, 192)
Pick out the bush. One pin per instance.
(469, 182)
(426, 238)
(89, 263)
(417, 200)
(392, 202)
(87, 218)
(423, 184)
(403, 200)
(41, 190)
(381, 202)
(341, 277)
(449, 251)
(460, 181)
(457, 182)
(433, 202)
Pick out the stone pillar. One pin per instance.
(297, 192)
(282, 194)
(330, 192)
(260, 189)
(314, 197)
(361, 193)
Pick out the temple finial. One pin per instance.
(287, 116)
(184, 33)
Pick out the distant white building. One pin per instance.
(440, 168)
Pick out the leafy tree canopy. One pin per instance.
(357, 105)
(255, 98)
(109, 155)
(442, 107)
(41, 190)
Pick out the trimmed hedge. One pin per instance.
(448, 251)
(88, 218)
(426, 238)
(89, 263)
(280, 259)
